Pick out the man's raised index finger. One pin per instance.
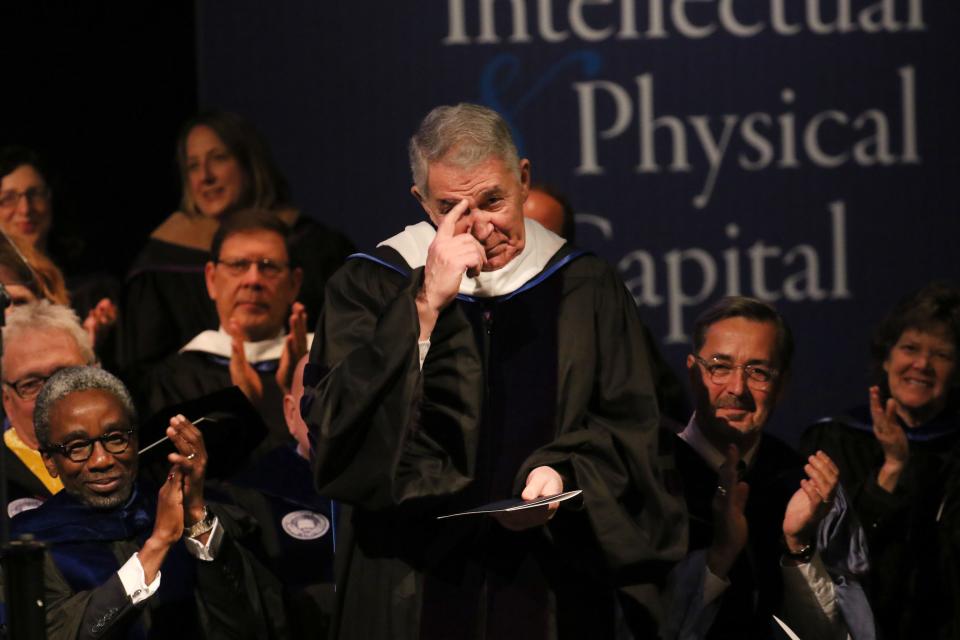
(449, 219)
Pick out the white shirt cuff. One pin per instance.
(812, 577)
(134, 582)
(206, 552)
(713, 586)
(423, 346)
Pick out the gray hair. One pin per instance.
(463, 135)
(72, 380)
(45, 316)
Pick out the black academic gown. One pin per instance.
(165, 300)
(555, 374)
(228, 597)
(914, 533)
(165, 303)
(756, 585)
(192, 374)
(296, 534)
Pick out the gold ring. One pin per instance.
(192, 456)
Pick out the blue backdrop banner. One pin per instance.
(799, 151)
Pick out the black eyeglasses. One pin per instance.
(268, 268)
(115, 442)
(29, 387)
(759, 377)
(34, 196)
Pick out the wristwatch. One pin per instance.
(801, 555)
(200, 527)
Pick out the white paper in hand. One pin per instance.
(515, 504)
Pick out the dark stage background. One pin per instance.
(801, 152)
(100, 89)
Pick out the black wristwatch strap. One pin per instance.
(801, 555)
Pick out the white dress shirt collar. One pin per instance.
(219, 343)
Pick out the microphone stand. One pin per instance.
(22, 559)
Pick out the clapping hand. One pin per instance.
(892, 439)
(811, 502)
(242, 373)
(730, 528)
(191, 459)
(167, 527)
(100, 320)
(294, 347)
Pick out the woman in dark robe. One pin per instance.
(225, 166)
(899, 460)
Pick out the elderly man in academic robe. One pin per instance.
(124, 561)
(254, 285)
(473, 358)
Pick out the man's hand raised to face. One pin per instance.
(450, 255)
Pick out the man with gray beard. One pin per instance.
(123, 561)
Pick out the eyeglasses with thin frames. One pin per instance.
(29, 387)
(114, 442)
(34, 196)
(268, 268)
(759, 377)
